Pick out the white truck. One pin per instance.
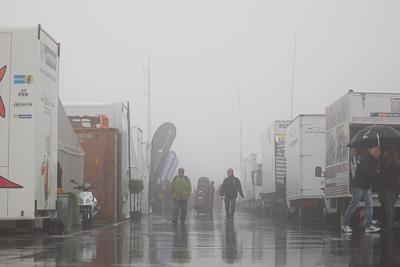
(304, 148)
(345, 117)
(250, 169)
(273, 185)
(29, 83)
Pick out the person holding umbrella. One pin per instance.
(366, 171)
(389, 185)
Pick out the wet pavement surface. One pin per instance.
(203, 241)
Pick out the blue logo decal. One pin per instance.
(19, 79)
(25, 116)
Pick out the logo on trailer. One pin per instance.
(23, 79)
(293, 132)
(315, 130)
(384, 114)
(22, 116)
(48, 56)
(23, 93)
(23, 104)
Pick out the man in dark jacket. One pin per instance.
(361, 188)
(230, 187)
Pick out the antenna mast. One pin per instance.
(148, 115)
(148, 143)
(240, 125)
(294, 64)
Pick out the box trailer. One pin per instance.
(250, 170)
(102, 151)
(344, 118)
(273, 186)
(304, 148)
(107, 116)
(29, 67)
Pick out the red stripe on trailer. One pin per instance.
(5, 183)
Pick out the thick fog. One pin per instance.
(218, 67)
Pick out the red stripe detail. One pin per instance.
(5, 183)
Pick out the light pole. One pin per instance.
(240, 125)
(148, 143)
(294, 64)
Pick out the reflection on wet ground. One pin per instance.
(203, 241)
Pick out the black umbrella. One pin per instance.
(377, 135)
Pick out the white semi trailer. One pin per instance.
(29, 83)
(273, 185)
(250, 170)
(305, 148)
(344, 118)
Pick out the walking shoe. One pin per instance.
(174, 222)
(372, 229)
(347, 229)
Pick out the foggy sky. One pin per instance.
(203, 53)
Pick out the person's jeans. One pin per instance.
(358, 194)
(388, 199)
(230, 207)
(182, 206)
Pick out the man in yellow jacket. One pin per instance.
(181, 189)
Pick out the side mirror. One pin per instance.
(98, 181)
(319, 172)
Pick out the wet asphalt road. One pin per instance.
(203, 241)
